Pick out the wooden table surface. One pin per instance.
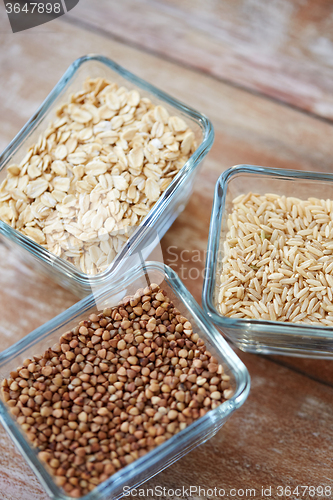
(263, 73)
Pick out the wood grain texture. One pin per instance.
(319, 370)
(283, 435)
(27, 300)
(282, 48)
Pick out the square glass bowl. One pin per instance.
(166, 209)
(252, 335)
(164, 455)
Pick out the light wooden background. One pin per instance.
(263, 73)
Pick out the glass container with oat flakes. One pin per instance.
(98, 174)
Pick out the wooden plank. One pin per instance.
(27, 300)
(282, 49)
(317, 370)
(248, 129)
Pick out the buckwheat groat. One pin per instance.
(116, 386)
(95, 173)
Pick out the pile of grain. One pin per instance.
(278, 260)
(116, 386)
(95, 173)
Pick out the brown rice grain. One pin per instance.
(278, 255)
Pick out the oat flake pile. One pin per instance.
(95, 173)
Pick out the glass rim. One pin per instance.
(213, 247)
(225, 351)
(59, 264)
